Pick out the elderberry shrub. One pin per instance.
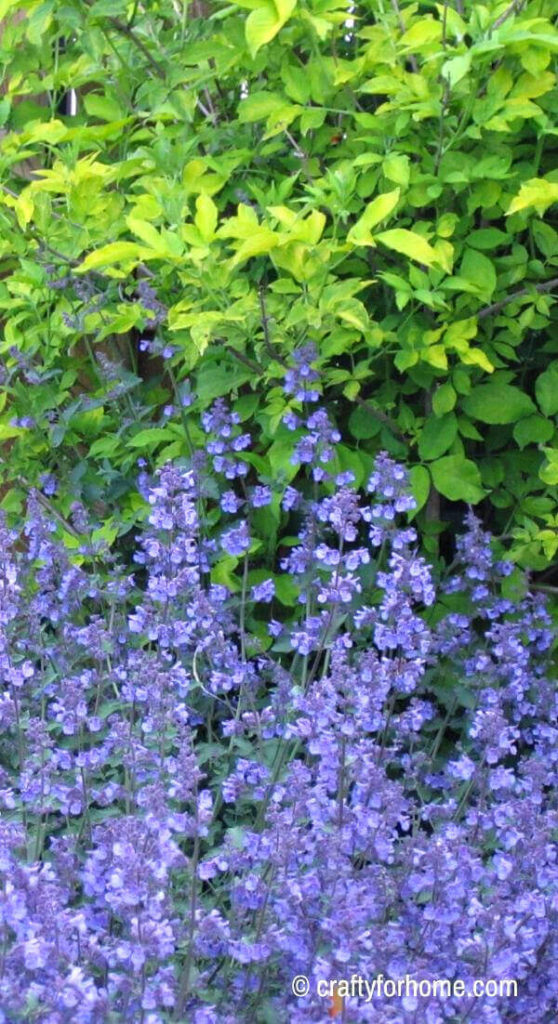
(194, 812)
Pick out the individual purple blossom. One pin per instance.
(219, 420)
(298, 381)
(260, 496)
(230, 502)
(291, 499)
(248, 778)
(148, 298)
(48, 483)
(237, 540)
(292, 421)
(26, 422)
(263, 592)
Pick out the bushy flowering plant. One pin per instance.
(202, 798)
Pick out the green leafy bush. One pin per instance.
(377, 179)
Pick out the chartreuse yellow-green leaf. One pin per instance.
(263, 24)
(537, 193)
(396, 167)
(263, 240)
(206, 217)
(108, 255)
(410, 244)
(549, 471)
(376, 211)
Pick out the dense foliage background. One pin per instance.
(240, 180)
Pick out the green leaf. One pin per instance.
(396, 167)
(459, 333)
(362, 424)
(423, 32)
(437, 435)
(436, 356)
(258, 106)
(246, 406)
(406, 358)
(48, 131)
(353, 312)
(419, 478)
(296, 82)
(105, 108)
(458, 479)
(533, 430)
(223, 572)
(12, 502)
(488, 238)
(350, 460)
(376, 211)
(466, 429)
(286, 589)
(546, 390)
(150, 436)
(538, 193)
(280, 459)
(217, 379)
(146, 231)
(549, 471)
(263, 24)
(206, 217)
(263, 240)
(498, 403)
(105, 446)
(472, 356)
(444, 399)
(479, 270)
(546, 238)
(7, 431)
(456, 68)
(410, 244)
(108, 255)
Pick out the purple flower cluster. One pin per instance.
(226, 440)
(301, 379)
(195, 809)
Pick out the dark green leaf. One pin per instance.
(498, 403)
(437, 435)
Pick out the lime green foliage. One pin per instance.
(378, 178)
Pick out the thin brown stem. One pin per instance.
(270, 347)
(514, 8)
(546, 286)
(380, 415)
(412, 58)
(125, 30)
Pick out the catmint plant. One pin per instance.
(195, 811)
